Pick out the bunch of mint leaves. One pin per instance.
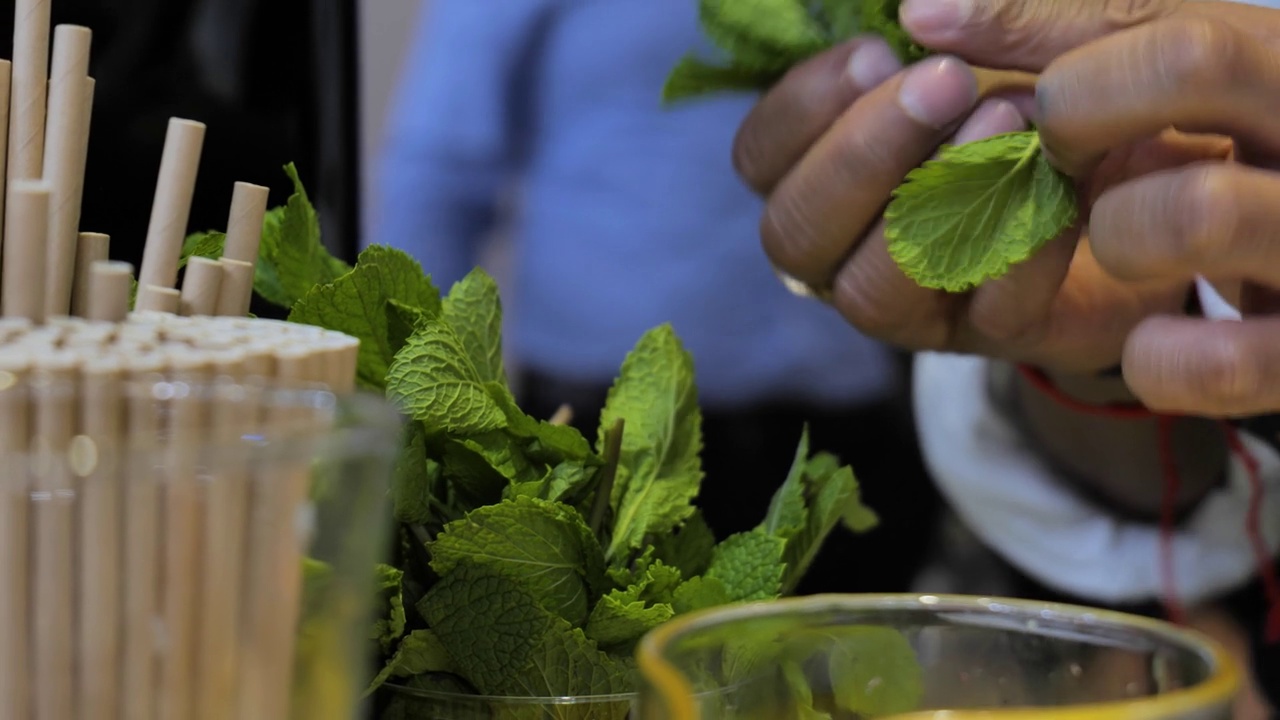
(962, 218)
(528, 562)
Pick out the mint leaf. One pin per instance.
(622, 617)
(762, 34)
(881, 17)
(700, 593)
(474, 310)
(300, 259)
(787, 512)
(544, 547)
(504, 643)
(356, 305)
(567, 479)
(266, 281)
(548, 443)
(203, 244)
(403, 320)
(689, 548)
(750, 565)
(390, 627)
(502, 454)
(801, 692)
(420, 652)
(872, 670)
(659, 471)
(976, 211)
(694, 77)
(414, 478)
(472, 478)
(433, 381)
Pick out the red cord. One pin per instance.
(1169, 499)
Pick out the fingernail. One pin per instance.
(872, 63)
(937, 91)
(935, 16)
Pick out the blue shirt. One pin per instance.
(544, 116)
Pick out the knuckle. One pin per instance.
(787, 233)
(1209, 202)
(1126, 13)
(1197, 52)
(869, 306)
(1228, 376)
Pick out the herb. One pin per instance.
(528, 562)
(961, 219)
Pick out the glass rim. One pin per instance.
(510, 699)
(1220, 687)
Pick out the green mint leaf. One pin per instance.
(977, 210)
(548, 443)
(693, 77)
(266, 281)
(659, 471)
(474, 310)
(544, 547)
(750, 565)
(881, 17)
(203, 244)
(842, 18)
(700, 593)
(356, 304)
(787, 512)
(403, 320)
(688, 549)
(402, 706)
(504, 455)
(473, 480)
(433, 381)
(505, 643)
(414, 478)
(622, 617)
(567, 480)
(420, 652)
(833, 494)
(801, 692)
(299, 258)
(872, 670)
(769, 35)
(390, 627)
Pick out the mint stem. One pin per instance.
(612, 454)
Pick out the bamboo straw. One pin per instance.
(172, 205)
(26, 231)
(244, 227)
(108, 291)
(90, 248)
(183, 530)
(234, 413)
(64, 160)
(200, 286)
(29, 89)
(14, 510)
(158, 299)
(98, 462)
(54, 393)
(236, 291)
(141, 559)
(6, 80)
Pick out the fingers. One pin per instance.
(1023, 34)
(1205, 367)
(873, 293)
(1196, 73)
(800, 108)
(1216, 218)
(840, 186)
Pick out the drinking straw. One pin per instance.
(64, 160)
(90, 248)
(6, 83)
(236, 291)
(54, 399)
(159, 299)
(244, 226)
(14, 510)
(172, 205)
(96, 456)
(109, 291)
(28, 89)
(26, 230)
(200, 287)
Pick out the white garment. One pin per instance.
(1010, 498)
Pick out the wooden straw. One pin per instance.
(244, 227)
(183, 530)
(172, 206)
(26, 231)
(64, 160)
(236, 291)
(142, 542)
(29, 89)
(14, 509)
(90, 248)
(158, 299)
(54, 393)
(6, 80)
(96, 458)
(200, 287)
(108, 291)
(234, 413)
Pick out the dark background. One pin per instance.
(293, 99)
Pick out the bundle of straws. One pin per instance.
(150, 566)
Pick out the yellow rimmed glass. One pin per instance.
(917, 657)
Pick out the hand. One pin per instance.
(831, 141)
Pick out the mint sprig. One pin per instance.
(967, 216)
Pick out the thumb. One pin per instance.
(1022, 34)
